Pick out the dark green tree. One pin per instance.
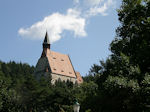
(123, 80)
(133, 34)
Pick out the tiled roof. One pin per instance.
(79, 78)
(60, 63)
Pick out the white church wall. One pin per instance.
(62, 78)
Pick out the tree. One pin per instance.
(123, 80)
(133, 34)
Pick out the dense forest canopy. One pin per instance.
(120, 84)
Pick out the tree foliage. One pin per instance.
(123, 79)
(119, 84)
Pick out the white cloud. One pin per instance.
(76, 1)
(100, 9)
(95, 7)
(55, 24)
(74, 20)
(93, 2)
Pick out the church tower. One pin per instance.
(46, 45)
(43, 66)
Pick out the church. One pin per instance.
(55, 65)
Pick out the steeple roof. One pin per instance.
(46, 40)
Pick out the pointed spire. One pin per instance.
(46, 43)
(46, 40)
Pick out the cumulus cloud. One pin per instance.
(55, 24)
(74, 20)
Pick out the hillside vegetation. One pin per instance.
(120, 84)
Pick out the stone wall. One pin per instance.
(62, 78)
(43, 69)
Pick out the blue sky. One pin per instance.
(81, 28)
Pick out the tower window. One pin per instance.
(70, 72)
(54, 68)
(62, 71)
(54, 58)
